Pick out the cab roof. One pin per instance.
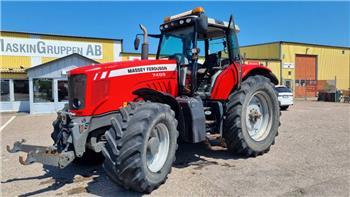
(185, 17)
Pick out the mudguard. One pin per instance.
(188, 111)
(228, 79)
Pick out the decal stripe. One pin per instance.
(143, 69)
(104, 75)
(95, 77)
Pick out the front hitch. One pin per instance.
(41, 154)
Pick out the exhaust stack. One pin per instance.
(144, 49)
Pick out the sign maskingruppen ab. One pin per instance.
(36, 47)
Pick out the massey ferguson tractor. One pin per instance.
(130, 115)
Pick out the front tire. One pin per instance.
(252, 117)
(141, 146)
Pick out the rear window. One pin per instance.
(283, 89)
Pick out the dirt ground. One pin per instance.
(311, 157)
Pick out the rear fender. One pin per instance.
(251, 70)
(228, 81)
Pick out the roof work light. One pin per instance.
(195, 11)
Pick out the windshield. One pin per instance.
(178, 42)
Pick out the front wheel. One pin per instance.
(252, 117)
(141, 146)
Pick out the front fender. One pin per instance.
(185, 125)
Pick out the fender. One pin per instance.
(157, 96)
(227, 81)
(250, 70)
(184, 125)
(148, 94)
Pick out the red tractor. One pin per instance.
(131, 114)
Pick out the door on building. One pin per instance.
(305, 76)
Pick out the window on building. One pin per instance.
(21, 90)
(42, 89)
(5, 90)
(62, 90)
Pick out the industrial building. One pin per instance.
(34, 67)
(305, 68)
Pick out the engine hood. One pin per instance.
(110, 85)
(106, 67)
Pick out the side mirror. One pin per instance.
(136, 43)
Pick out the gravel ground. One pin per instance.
(310, 157)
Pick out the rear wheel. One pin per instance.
(141, 145)
(252, 117)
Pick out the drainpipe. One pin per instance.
(281, 60)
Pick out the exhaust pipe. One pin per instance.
(144, 49)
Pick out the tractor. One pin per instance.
(130, 115)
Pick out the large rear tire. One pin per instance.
(141, 146)
(252, 117)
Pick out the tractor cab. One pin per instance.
(201, 46)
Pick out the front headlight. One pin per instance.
(76, 103)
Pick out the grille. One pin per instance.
(76, 84)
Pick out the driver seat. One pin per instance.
(211, 61)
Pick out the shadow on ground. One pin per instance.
(98, 183)
(197, 155)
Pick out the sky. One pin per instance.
(310, 22)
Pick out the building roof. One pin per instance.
(298, 43)
(58, 59)
(59, 35)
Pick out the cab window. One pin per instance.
(218, 45)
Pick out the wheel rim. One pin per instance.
(157, 147)
(259, 116)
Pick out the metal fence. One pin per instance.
(322, 90)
